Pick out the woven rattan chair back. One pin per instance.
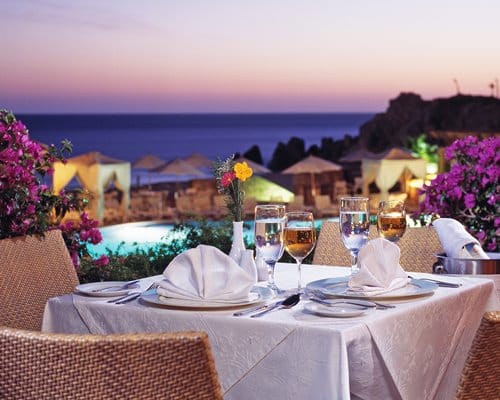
(481, 375)
(172, 366)
(32, 270)
(329, 247)
(418, 247)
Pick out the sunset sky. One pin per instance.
(62, 56)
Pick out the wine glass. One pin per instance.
(354, 226)
(300, 238)
(269, 235)
(391, 219)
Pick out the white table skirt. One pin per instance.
(414, 351)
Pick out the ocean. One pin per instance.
(168, 136)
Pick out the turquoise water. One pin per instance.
(145, 235)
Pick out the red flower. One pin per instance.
(227, 178)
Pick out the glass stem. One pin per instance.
(271, 273)
(354, 263)
(299, 269)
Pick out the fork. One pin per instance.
(131, 296)
(438, 282)
(318, 294)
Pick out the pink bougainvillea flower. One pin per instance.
(102, 261)
(469, 191)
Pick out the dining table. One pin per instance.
(415, 350)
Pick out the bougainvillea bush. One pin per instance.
(27, 205)
(470, 191)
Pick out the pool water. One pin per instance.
(126, 238)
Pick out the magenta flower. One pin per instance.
(227, 178)
(102, 261)
(27, 205)
(469, 192)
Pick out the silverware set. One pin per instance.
(319, 297)
(438, 282)
(132, 296)
(262, 309)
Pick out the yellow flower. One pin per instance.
(242, 171)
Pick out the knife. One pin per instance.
(130, 297)
(253, 309)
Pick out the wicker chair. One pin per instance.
(32, 270)
(172, 366)
(418, 247)
(481, 375)
(330, 249)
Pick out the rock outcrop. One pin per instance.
(409, 115)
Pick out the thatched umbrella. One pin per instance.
(312, 165)
(257, 168)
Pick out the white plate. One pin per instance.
(337, 287)
(259, 293)
(88, 289)
(342, 311)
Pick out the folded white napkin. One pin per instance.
(379, 269)
(206, 274)
(456, 241)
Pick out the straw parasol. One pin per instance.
(312, 165)
(180, 168)
(257, 168)
(148, 161)
(198, 160)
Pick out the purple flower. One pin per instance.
(26, 204)
(470, 200)
(469, 191)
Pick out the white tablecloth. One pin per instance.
(414, 351)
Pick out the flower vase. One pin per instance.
(238, 245)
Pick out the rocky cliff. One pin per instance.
(409, 115)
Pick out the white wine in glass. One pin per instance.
(300, 238)
(269, 235)
(354, 226)
(391, 219)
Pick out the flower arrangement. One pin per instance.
(27, 205)
(470, 191)
(229, 176)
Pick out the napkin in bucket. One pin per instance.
(206, 274)
(456, 241)
(379, 269)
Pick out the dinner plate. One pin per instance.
(342, 311)
(258, 294)
(89, 289)
(337, 287)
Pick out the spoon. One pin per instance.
(289, 302)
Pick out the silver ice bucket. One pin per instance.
(469, 266)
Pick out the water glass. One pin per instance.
(354, 226)
(391, 219)
(269, 235)
(300, 238)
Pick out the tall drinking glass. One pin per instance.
(354, 226)
(300, 238)
(391, 219)
(269, 235)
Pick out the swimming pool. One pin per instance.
(128, 237)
